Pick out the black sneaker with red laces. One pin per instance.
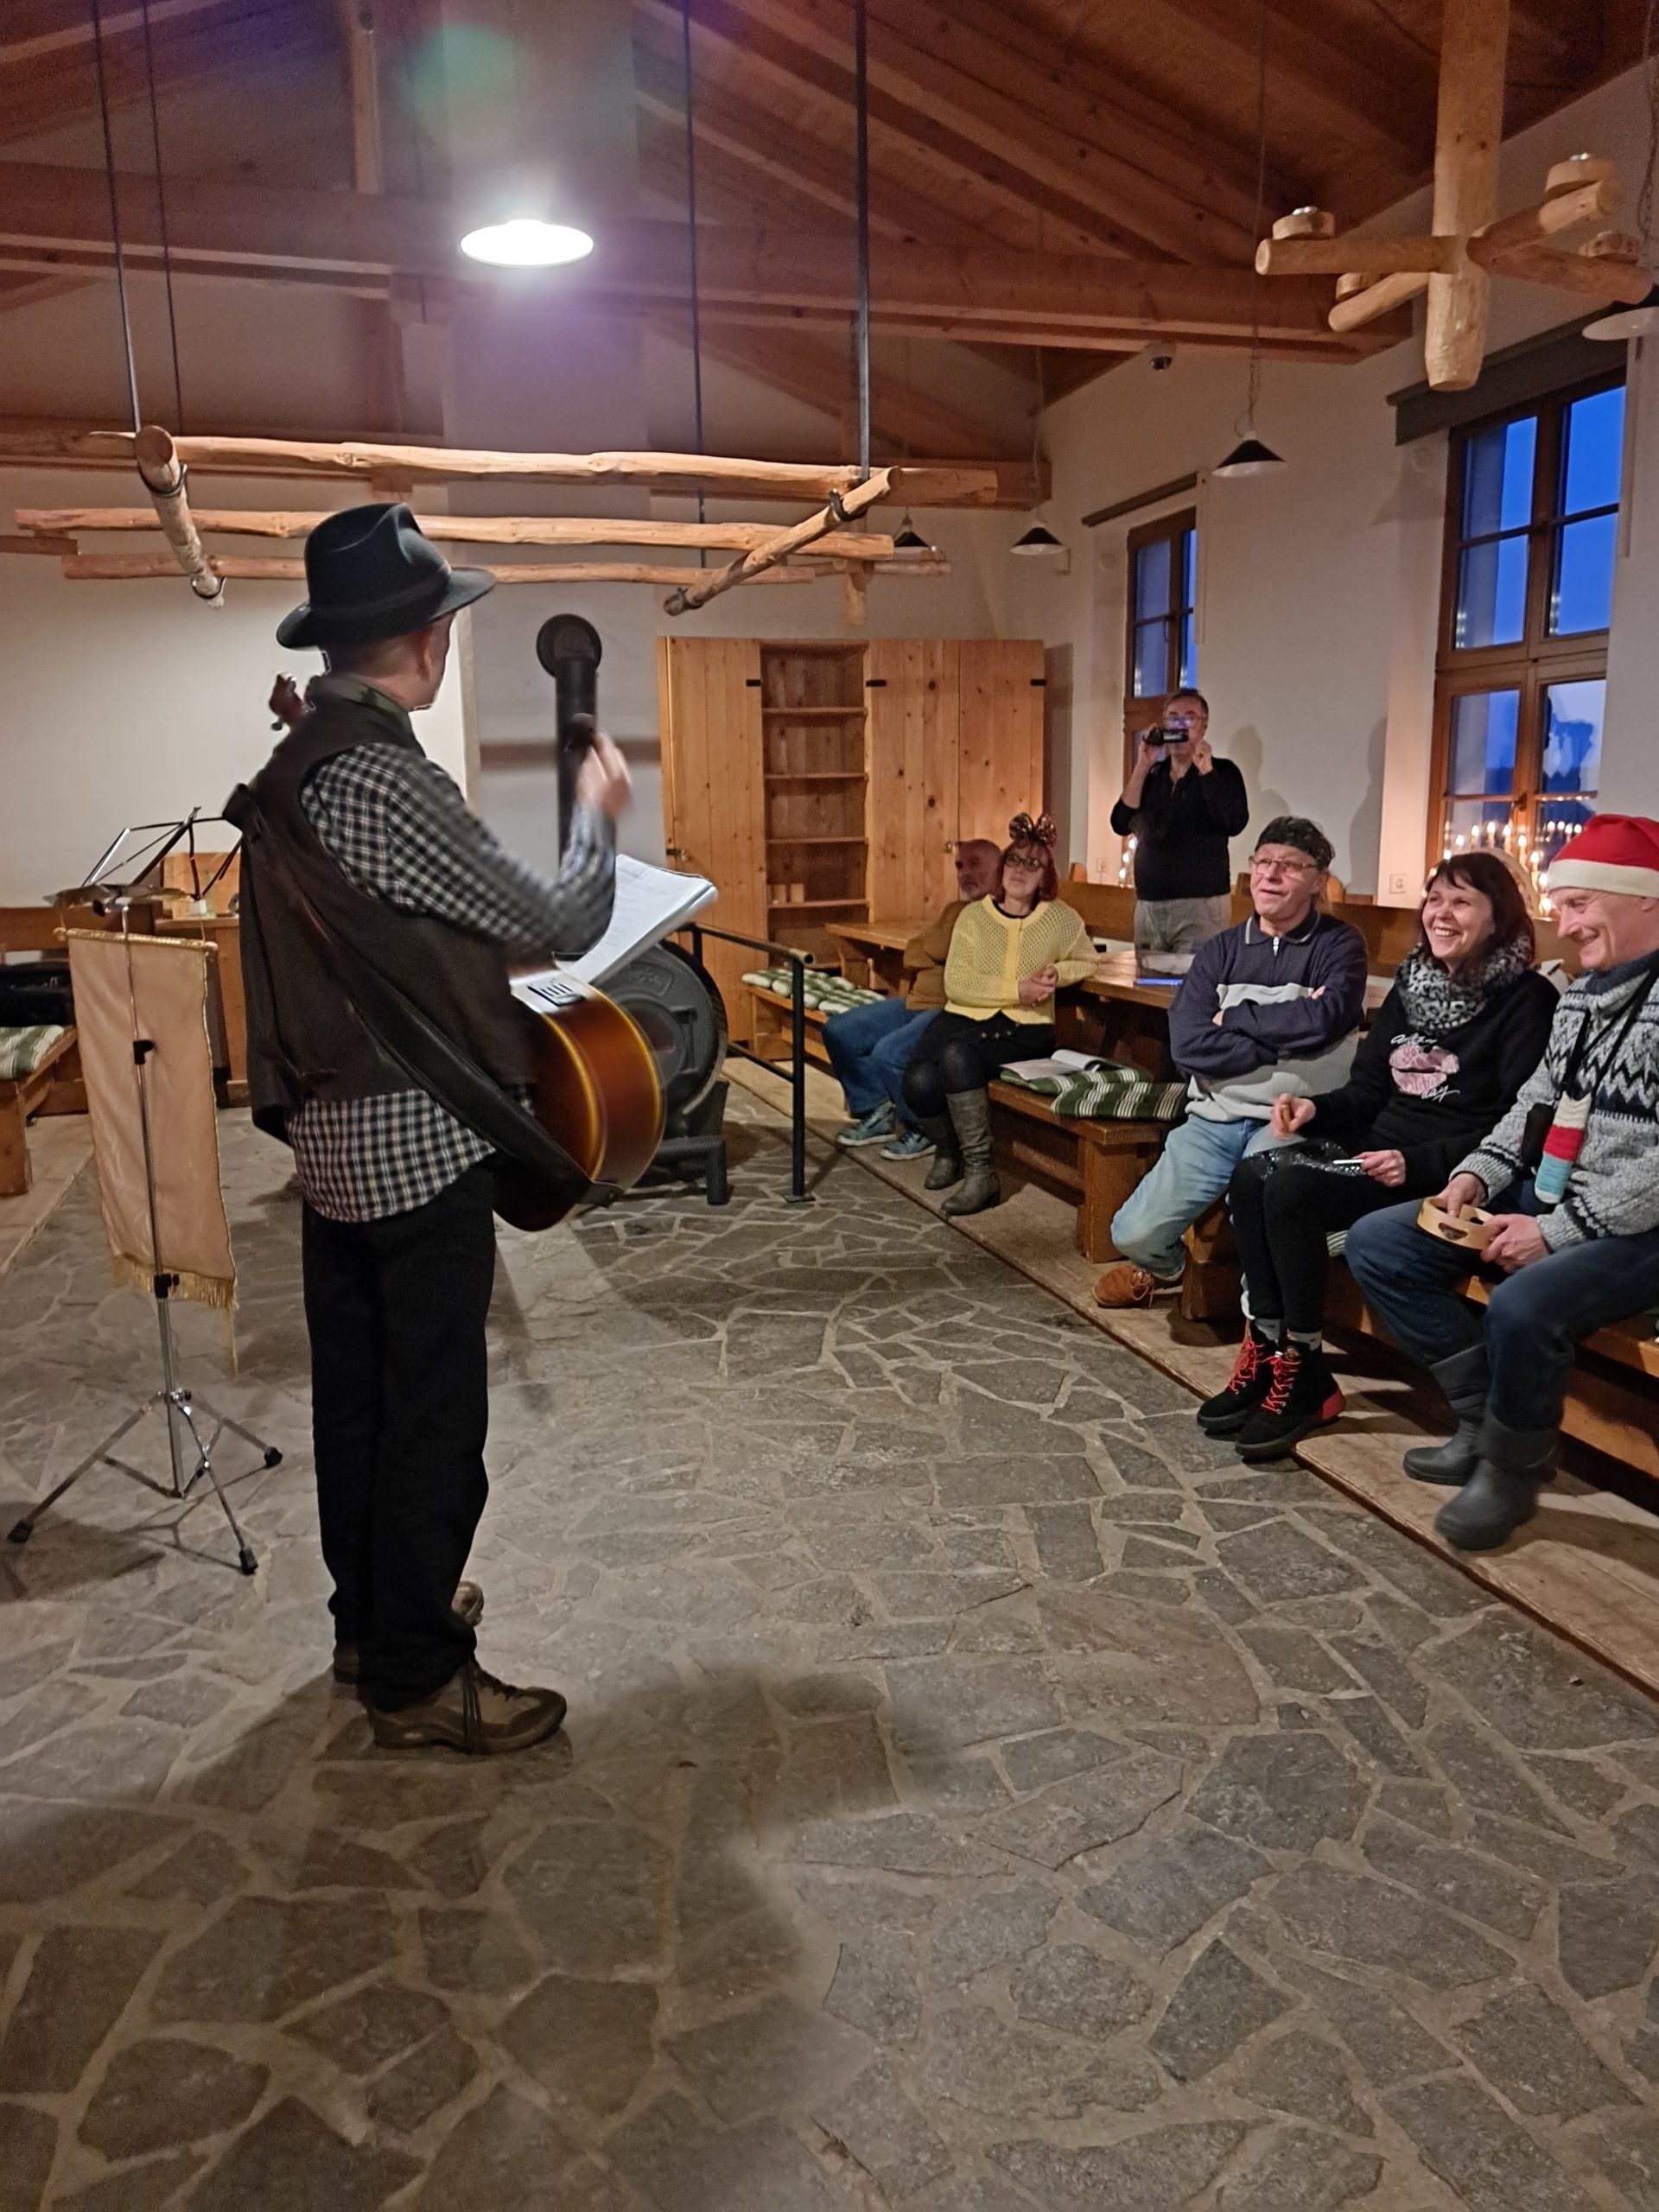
(1301, 1395)
(1252, 1377)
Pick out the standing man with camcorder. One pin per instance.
(1181, 804)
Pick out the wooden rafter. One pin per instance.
(1134, 210)
(1030, 298)
(462, 530)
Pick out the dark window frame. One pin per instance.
(1141, 709)
(1536, 659)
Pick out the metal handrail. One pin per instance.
(799, 963)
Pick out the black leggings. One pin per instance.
(1283, 1208)
(957, 1053)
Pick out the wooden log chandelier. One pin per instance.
(1467, 245)
(826, 540)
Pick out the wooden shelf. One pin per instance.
(813, 906)
(772, 839)
(813, 713)
(815, 776)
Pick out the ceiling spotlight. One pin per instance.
(1036, 540)
(526, 242)
(1627, 323)
(909, 539)
(1249, 457)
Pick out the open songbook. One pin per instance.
(651, 903)
(1063, 1062)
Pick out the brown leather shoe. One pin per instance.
(348, 1657)
(1125, 1284)
(472, 1712)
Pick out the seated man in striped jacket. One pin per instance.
(1272, 1005)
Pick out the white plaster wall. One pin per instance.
(126, 702)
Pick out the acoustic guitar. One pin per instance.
(595, 1086)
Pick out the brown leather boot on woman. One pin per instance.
(970, 1116)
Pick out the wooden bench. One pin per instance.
(772, 1031)
(53, 1086)
(1093, 1163)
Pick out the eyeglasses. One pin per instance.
(1261, 863)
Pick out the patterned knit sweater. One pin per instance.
(991, 953)
(1614, 1190)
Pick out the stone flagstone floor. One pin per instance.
(980, 1794)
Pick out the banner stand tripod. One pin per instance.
(181, 1407)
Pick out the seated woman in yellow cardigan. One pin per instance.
(1010, 953)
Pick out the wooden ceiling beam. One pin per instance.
(903, 134)
(1018, 298)
(235, 568)
(1045, 147)
(1087, 104)
(746, 142)
(1389, 97)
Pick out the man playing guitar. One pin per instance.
(366, 881)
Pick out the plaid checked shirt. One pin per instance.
(400, 829)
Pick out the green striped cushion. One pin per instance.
(22, 1050)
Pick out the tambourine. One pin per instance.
(1470, 1230)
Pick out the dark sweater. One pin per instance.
(1182, 831)
(1288, 1006)
(1432, 1098)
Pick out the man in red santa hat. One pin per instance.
(1572, 1174)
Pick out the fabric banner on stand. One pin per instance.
(128, 988)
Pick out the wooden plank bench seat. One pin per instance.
(771, 1027)
(53, 1086)
(1096, 1165)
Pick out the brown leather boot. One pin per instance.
(348, 1657)
(472, 1712)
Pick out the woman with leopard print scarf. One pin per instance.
(1463, 1027)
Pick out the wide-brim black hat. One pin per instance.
(371, 573)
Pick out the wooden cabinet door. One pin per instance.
(912, 767)
(1000, 734)
(714, 804)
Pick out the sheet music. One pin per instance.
(651, 903)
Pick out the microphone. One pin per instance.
(569, 650)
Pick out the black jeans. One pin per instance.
(1283, 1208)
(955, 1053)
(399, 1409)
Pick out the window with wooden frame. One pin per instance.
(1527, 594)
(1160, 650)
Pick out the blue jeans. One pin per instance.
(1535, 1318)
(869, 1049)
(1194, 1169)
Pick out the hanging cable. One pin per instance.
(115, 214)
(691, 225)
(1261, 202)
(862, 93)
(160, 201)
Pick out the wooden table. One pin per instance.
(872, 953)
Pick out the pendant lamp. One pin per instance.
(1038, 539)
(1249, 457)
(527, 242)
(908, 539)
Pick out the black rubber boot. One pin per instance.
(1465, 1380)
(970, 1116)
(1251, 1379)
(1501, 1494)
(947, 1160)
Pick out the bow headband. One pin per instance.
(1023, 831)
